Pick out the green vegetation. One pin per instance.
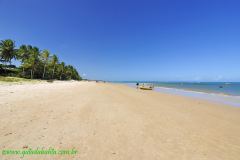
(15, 79)
(35, 64)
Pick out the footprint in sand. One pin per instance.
(8, 134)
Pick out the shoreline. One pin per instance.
(213, 97)
(209, 87)
(209, 96)
(199, 91)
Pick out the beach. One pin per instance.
(113, 121)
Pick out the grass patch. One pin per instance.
(16, 80)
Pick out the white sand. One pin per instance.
(110, 121)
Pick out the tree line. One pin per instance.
(34, 63)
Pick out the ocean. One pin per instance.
(226, 88)
(223, 92)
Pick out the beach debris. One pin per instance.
(25, 147)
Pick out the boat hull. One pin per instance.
(145, 88)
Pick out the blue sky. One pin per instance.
(165, 40)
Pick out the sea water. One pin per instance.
(221, 92)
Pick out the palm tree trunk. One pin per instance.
(53, 72)
(31, 73)
(23, 73)
(5, 68)
(61, 75)
(44, 71)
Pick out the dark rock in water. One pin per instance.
(220, 86)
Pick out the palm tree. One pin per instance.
(62, 67)
(76, 75)
(54, 63)
(69, 71)
(33, 60)
(23, 54)
(45, 57)
(7, 50)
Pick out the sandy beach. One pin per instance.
(104, 121)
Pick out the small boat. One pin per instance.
(146, 87)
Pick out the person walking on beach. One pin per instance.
(137, 84)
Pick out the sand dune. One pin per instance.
(110, 121)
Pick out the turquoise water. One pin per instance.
(220, 92)
(226, 88)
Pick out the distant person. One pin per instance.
(137, 84)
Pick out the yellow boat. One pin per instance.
(146, 87)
